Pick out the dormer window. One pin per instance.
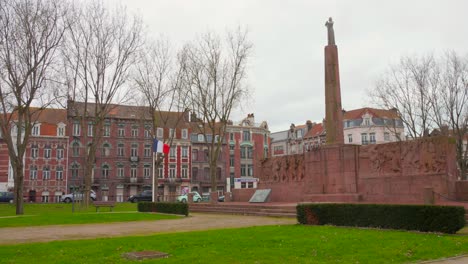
(61, 130)
(36, 130)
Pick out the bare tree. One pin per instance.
(450, 103)
(102, 47)
(407, 87)
(31, 33)
(216, 71)
(160, 80)
(430, 94)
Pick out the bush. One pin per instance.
(168, 208)
(425, 218)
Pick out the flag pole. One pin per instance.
(154, 189)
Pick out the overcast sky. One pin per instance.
(286, 71)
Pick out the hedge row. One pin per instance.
(168, 208)
(425, 218)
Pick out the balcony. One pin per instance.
(133, 181)
(134, 159)
(172, 181)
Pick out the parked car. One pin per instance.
(183, 198)
(6, 197)
(68, 198)
(146, 196)
(221, 198)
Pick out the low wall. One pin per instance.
(393, 172)
(242, 195)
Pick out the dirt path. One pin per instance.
(196, 221)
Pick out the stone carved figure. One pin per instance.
(331, 32)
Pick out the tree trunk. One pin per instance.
(19, 179)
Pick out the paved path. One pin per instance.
(17, 235)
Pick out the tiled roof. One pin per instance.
(380, 113)
(316, 130)
(164, 118)
(48, 115)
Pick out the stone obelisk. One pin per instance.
(333, 110)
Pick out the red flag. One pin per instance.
(166, 148)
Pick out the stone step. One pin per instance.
(245, 210)
(332, 198)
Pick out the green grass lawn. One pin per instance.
(269, 244)
(61, 214)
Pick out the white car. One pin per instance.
(68, 198)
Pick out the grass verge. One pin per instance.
(61, 214)
(268, 244)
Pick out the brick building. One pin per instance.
(46, 157)
(248, 144)
(124, 158)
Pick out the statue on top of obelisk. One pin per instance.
(331, 33)
(333, 110)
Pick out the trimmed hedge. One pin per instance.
(169, 208)
(425, 218)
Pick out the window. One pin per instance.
(246, 152)
(133, 172)
(364, 139)
(75, 171)
(200, 137)
(367, 121)
(243, 170)
(120, 149)
(61, 130)
(36, 130)
(34, 151)
(231, 136)
(231, 147)
(160, 132)
(147, 133)
(299, 133)
(134, 132)
(172, 171)
(147, 150)
(106, 149)
(33, 173)
(194, 173)
(350, 138)
(172, 152)
(146, 171)
(76, 129)
(250, 170)
(172, 133)
(59, 173)
(105, 171)
(194, 154)
(45, 197)
(106, 132)
(184, 133)
(184, 171)
(161, 171)
(184, 151)
(246, 136)
(120, 171)
(90, 130)
(134, 150)
(250, 185)
(231, 160)
(387, 136)
(60, 153)
(372, 138)
(243, 185)
(218, 173)
(76, 149)
(46, 173)
(121, 132)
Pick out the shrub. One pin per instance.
(169, 208)
(425, 218)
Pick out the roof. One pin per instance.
(278, 136)
(46, 116)
(165, 118)
(316, 130)
(379, 113)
